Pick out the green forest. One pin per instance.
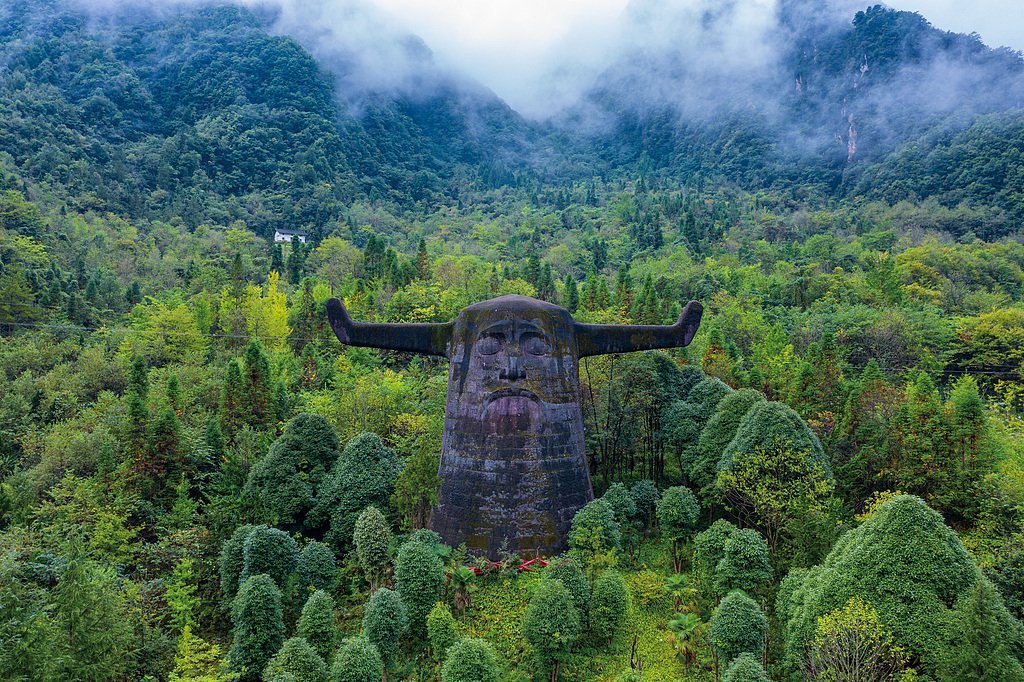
(199, 483)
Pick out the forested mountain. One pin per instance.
(199, 483)
(206, 116)
(799, 95)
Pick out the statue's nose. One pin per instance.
(513, 369)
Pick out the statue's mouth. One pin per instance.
(512, 392)
(512, 410)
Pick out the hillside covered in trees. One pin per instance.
(198, 482)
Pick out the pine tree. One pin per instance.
(277, 258)
(572, 294)
(257, 390)
(296, 260)
(138, 377)
(174, 394)
(232, 406)
(624, 291)
(422, 261)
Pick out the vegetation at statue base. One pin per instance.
(198, 482)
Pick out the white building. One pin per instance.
(289, 235)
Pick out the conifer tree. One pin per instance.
(232, 408)
(422, 261)
(572, 294)
(296, 260)
(257, 390)
(624, 291)
(277, 258)
(174, 394)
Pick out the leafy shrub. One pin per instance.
(568, 571)
(551, 625)
(774, 426)
(903, 561)
(852, 638)
(738, 626)
(645, 496)
(594, 530)
(363, 475)
(441, 629)
(357, 661)
(270, 551)
(608, 606)
(471, 660)
(717, 434)
(419, 579)
(745, 668)
(317, 567)
(258, 630)
(297, 658)
(678, 511)
(708, 550)
(745, 564)
(232, 558)
(286, 481)
(384, 622)
(372, 539)
(316, 624)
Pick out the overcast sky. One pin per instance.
(509, 44)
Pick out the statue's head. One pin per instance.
(513, 354)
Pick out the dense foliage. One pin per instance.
(198, 482)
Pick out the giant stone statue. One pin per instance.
(512, 464)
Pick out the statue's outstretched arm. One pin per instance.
(429, 339)
(601, 339)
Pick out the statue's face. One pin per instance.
(514, 360)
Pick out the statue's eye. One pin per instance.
(489, 345)
(534, 344)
